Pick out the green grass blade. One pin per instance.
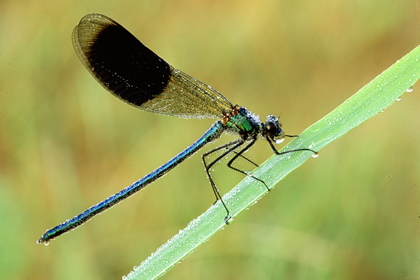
(366, 103)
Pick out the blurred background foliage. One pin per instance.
(65, 143)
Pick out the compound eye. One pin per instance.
(275, 133)
(273, 130)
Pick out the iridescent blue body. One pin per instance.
(214, 132)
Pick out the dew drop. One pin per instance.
(399, 99)
(278, 141)
(228, 220)
(410, 89)
(315, 155)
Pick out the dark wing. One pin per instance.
(136, 75)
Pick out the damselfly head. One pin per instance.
(272, 129)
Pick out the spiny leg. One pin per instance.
(290, 151)
(247, 159)
(239, 154)
(231, 147)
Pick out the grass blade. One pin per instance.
(366, 103)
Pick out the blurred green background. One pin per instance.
(65, 143)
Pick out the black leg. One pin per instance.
(239, 154)
(247, 159)
(286, 152)
(231, 146)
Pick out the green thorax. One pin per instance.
(243, 122)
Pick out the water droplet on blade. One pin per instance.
(410, 89)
